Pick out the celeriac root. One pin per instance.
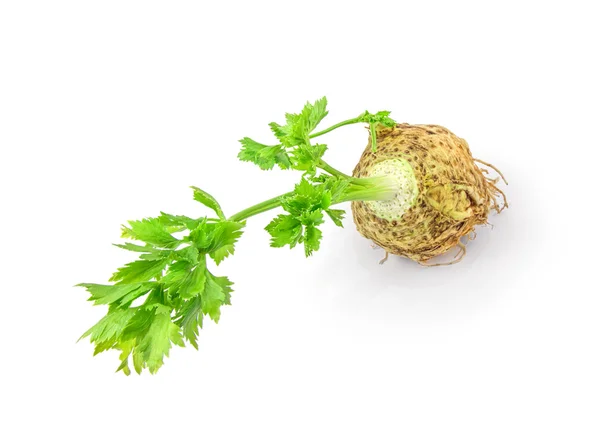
(453, 193)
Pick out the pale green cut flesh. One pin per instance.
(408, 189)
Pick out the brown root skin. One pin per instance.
(455, 195)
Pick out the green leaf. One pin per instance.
(216, 294)
(121, 294)
(185, 279)
(381, 117)
(176, 223)
(194, 282)
(137, 248)
(189, 254)
(304, 197)
(217, 239)
(148, 336)
(208, 200)
(176, 273)
(336, 215)
(139, 324)
(225, 285)
(307, 157)
(325, 200)
(138, 360)
(156, 342)
(151, 231)
(202, 236)
(265, 156)
(126, 349)
(312, 240)
(139, 271)
(189, 317)
(305, 207)
(317, 112)
(110, 327)
(304, 188)
(226, 234)
(307, 197)
(284, 230)
(157, 255)
(312, 218)
(297, 129)
(279, 131)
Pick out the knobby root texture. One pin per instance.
(454, 195)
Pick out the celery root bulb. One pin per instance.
(443, 194)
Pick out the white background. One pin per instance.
(110, 110)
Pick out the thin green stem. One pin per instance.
(335, 126)
(259, 208)
(373, 137)
(326, 167)
(331, 170)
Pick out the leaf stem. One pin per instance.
(373, 137)
(379, 188)
(335, 126)
(326, 167)
(266, 205)
(331, 170)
